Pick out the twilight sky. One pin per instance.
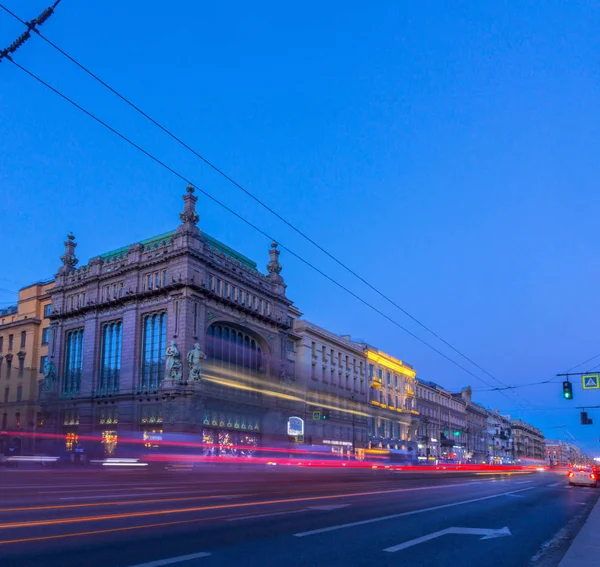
(445, 151)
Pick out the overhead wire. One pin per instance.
(249, 223)
(260, 202)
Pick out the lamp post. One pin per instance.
(353, 400)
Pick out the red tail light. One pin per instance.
(592, 476)
(571, 474)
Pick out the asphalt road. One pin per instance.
(252, 518)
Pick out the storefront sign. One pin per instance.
(335, 442)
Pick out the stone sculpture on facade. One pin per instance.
(173, 368)
(49, 375)
(195, 358)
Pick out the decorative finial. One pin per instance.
(274, 267)
(189, 216)
(69, 259)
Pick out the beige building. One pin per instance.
(528, 441)
(24, 337)
(331, 369)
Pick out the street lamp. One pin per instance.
(353, 399)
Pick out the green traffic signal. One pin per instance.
(567, 390)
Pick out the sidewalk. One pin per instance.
(585, 549)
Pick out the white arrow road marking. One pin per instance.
(487, 534)
(410, 513)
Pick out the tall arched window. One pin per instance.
(110, 357)
(154, 339)
(233, 347)
(73, 361)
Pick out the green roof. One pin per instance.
(166, 237)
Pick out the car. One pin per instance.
(583, 476)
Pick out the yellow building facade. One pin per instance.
(394, 420)
(24, 337)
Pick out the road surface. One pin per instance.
(59, 518)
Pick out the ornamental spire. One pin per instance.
(69, 259)
(274, 268)
(189, 216)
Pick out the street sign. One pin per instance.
(590, 382)
(295, 426)
(317, 415)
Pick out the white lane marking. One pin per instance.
(411, 513)
(557, 484)
(284, 512)
(172, 560)
(254, 516)
(487, 534)
(515, 495)
(524, 482)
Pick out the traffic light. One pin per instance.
(324, 414)
(567, 390)
(585, 420)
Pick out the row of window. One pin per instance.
(331, 376)
(155, 280)
(239, 295)
(8, 373)
(154, 329)
(76, 300)
(377, 373)
(393, 401)
(7, 394)
(112, 291)
(17, 423)
(343, 361)
(387, 429)
(11, 341)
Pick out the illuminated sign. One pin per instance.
(590, 382)
(335, 442)
(295, 426)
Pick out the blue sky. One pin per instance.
(447, 152)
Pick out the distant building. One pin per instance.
(562, 453)
(24, 337)
(528, 441)
(476, 430)
(499, 438)
(451, 421)
(332, 371)
(430, 427)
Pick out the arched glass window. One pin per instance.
(233, 348)
(73, 361)
(154, 341)
(110, 357)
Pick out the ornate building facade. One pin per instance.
(177, 333)
(394, 417)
